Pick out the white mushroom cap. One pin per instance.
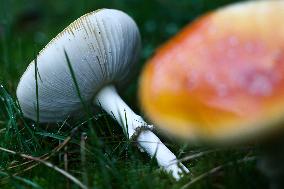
(102, 47)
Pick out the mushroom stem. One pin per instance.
(111, 102)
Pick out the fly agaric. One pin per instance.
(101, 50)
(222, 77)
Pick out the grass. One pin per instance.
(93, 150)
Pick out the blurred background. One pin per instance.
(26, 26)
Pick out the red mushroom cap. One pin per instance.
(221, 77)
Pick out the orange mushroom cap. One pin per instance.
(221, 77)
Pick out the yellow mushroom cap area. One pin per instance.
(221, 77)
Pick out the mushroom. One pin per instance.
(222, 77)
(84, 63)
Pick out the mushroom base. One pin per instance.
(111, 102)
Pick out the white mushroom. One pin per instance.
(102, 48)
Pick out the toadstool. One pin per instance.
(222, 77)
(101, 48)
